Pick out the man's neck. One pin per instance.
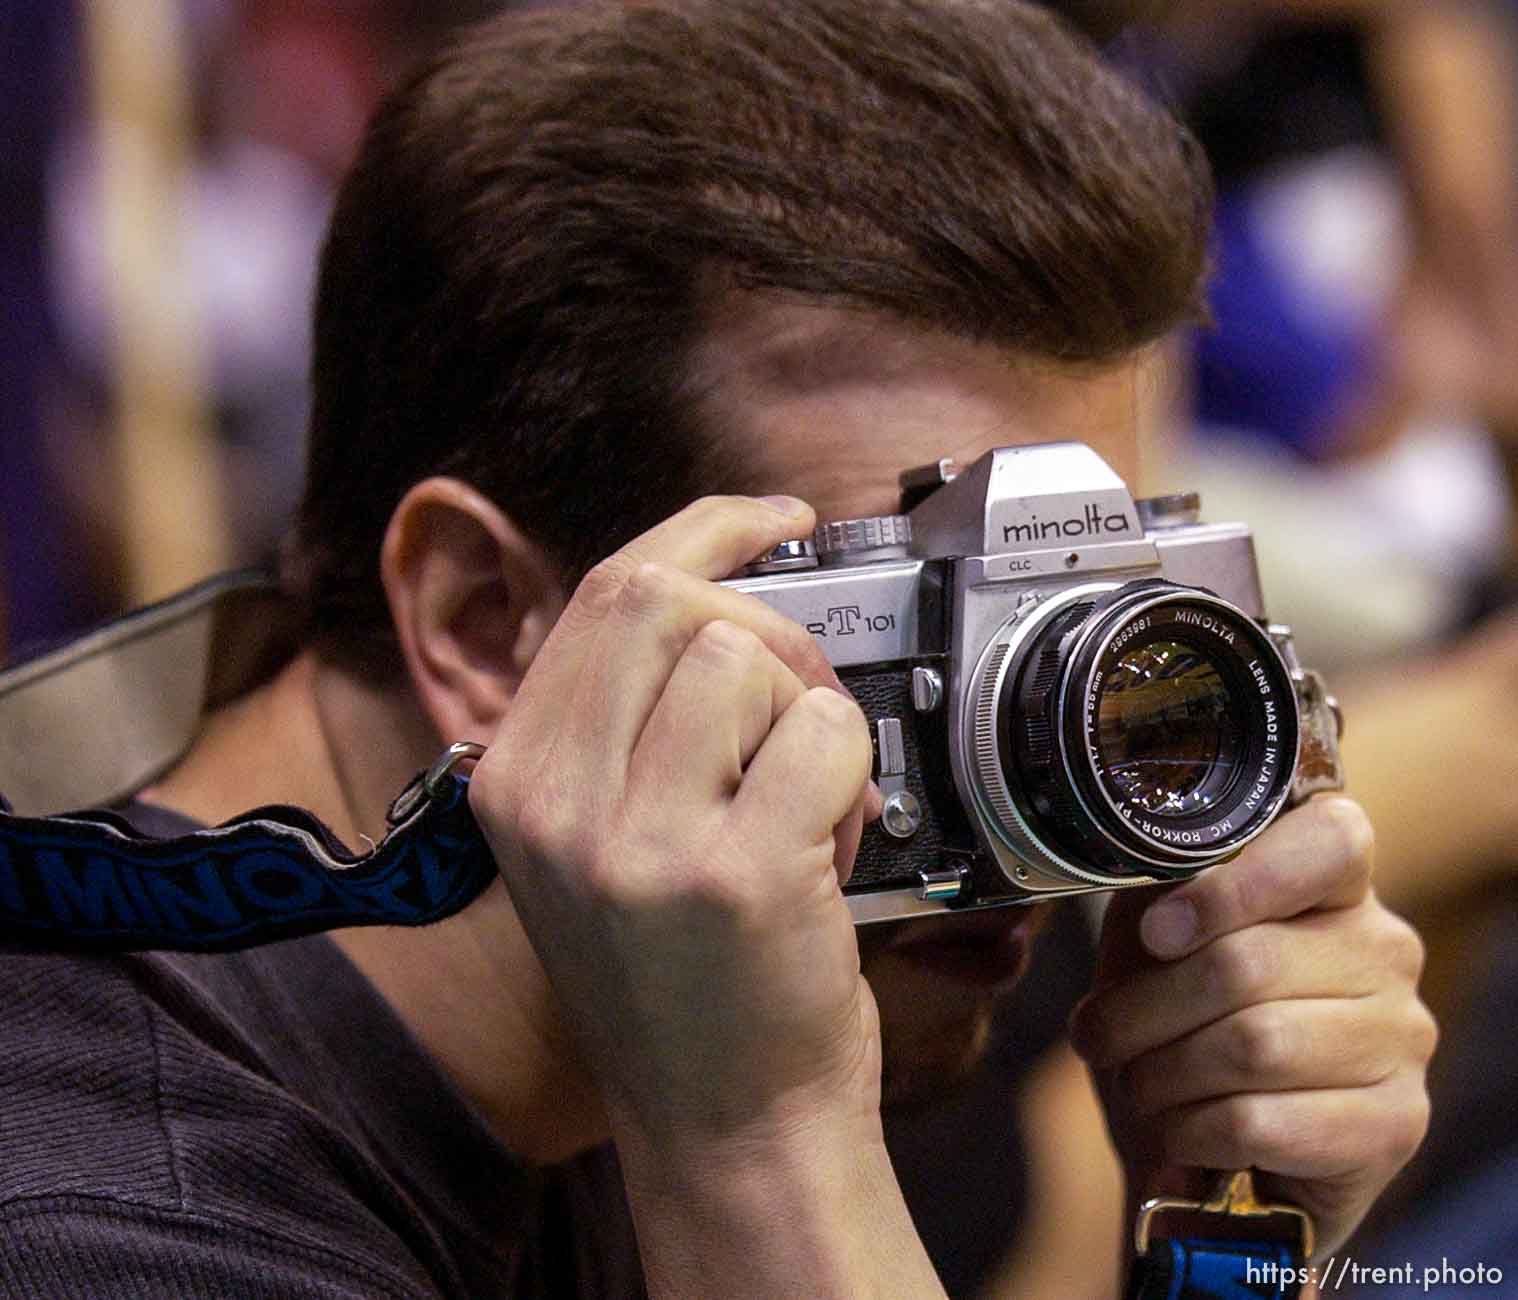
(312, 737)
(470, 989)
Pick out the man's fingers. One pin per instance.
(1328, 1133)
(1263, 1015)
(716, 536)
(722, 698)
(1328, 955)
(1283, 1047)
(1317, 856)
(710, 539)
(846, 834)
(808, 776)
(599, 700)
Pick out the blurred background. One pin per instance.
(165, 172)
(168, 166)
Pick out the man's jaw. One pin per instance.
(938, 983)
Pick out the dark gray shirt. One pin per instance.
(261, 1124)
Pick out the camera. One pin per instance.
(1067, 689)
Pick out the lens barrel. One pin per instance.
(1149, 729)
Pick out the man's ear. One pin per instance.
(472, 600)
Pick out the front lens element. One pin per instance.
(1148, 729)
(1168, 731)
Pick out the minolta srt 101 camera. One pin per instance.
(1068, 690)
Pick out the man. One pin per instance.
(593, 265)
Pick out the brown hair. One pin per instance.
(518, 261)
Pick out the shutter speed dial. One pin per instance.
(860, 541)
(844, 541)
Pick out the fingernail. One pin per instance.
(1169, 927)
(791, 506)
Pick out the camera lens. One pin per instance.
(1167, 734)
(1149, 729)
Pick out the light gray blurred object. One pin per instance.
(1370, 559)
(255, 218)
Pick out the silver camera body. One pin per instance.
(1069, 690)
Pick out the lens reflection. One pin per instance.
(1166, 734)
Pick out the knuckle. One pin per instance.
(1230, 1131)
(1407, 946)
(1354, 837)
(1424, 1033)
(598, 589)
(844, 730)
(542, 827)
(832, 709)
(1253, 1128)
(1404, 950)
(640, 869)
(1398, 1127)
(718, 505)
(604, 880)
(709, 882)
(1242, 966)
(726, 512)
(1408, 1126)
(549, 816)
(722, 891)
(728, 643)
(619, 869)
(647, 588)
(492, 805)
(1260, 1043)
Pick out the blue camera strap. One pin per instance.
(89, 882)
(1257, 1249)
(1189, 1269)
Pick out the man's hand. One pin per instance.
(675, 797)
(1265, 1014)
(663, 797)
